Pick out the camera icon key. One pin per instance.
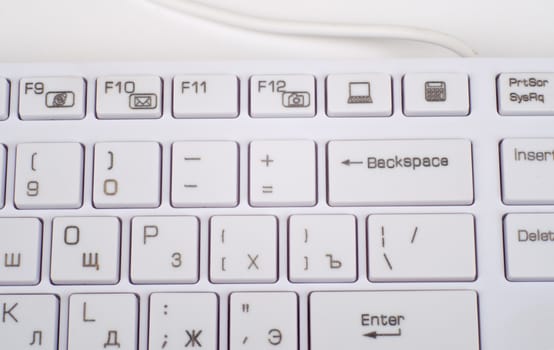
(280, 95)
(295, 99)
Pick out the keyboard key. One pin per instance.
(400, 172)
(263, 321)
(85, 250)
(196, 170)
(282, 173)
(128, 97)
(527, 171)
(29, 321)
(359, 95)
(103, 321)
(322, 248)
(4, 98)
(49, 175)
(2, 174)
(127, 175)
(205, 96)
(392, 320)
(164, 249)
(529, 245)
(525, 94)
(183, 320)
(282, 96)
(243, 249)
(421, 247)
(20, 248)
(436, 94)
(52, 98)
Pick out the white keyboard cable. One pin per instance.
(285, 27)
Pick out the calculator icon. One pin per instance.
(435, 91)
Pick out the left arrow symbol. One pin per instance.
(351, 162)
(374, 334)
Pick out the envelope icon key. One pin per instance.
(143, 101)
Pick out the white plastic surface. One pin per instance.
(205, 96)
(186, 320)
(20, 248)
(128, 97)
(127, 175)
(282, 96)
(52, 98)
(103, 321)
(435, 94)
(529, 244)
(400, 172)
(85, 250)
(322, 248)
(263, 320)
(512, 315)
(529, 93)
(527, 171)
(49, 175)
(404, 248)
(3, 159)
(517, 32)
(359, 95)
(282, 173)
(164, 249)
(204, 174)
(394, 320)
(29, 321)
(243, 249)
(4, 98)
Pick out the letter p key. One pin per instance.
(150, 231)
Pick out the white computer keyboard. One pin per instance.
(393, 204)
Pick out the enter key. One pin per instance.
(392, 320)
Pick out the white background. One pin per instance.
(92, 30)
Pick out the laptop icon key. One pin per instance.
(359, 92)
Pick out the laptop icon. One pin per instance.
(359, 92)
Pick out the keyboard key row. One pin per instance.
(281, 173)
(321, 248)
(242, 249)
(217, 96)
(422, 319)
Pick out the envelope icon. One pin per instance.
(143, 101)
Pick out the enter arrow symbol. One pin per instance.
(371, 335)
(374, 334)
(349, 162)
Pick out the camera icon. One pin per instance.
(295, 99)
